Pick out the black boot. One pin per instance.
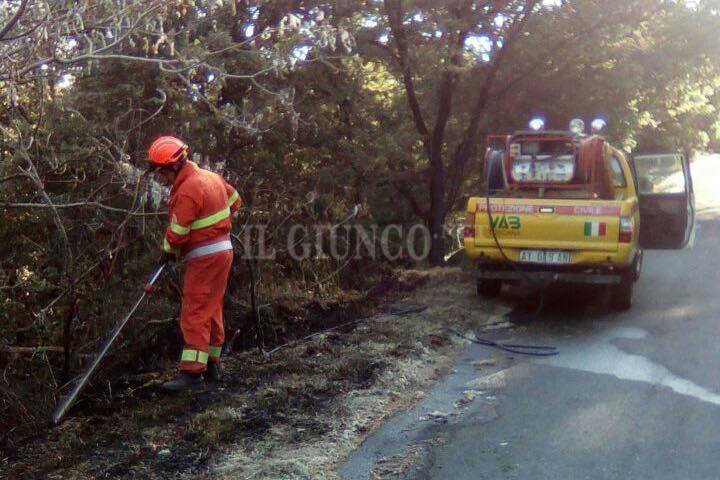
(212, 374)
(185, 381)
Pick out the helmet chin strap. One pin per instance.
(179, 164)
(175, 168)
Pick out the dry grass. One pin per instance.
(293, 415)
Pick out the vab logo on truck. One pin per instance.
(507, 224)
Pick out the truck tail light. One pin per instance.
(469, 230)
(626, 230)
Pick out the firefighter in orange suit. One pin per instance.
(201, 208)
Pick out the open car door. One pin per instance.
(667, 201)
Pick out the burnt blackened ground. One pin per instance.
(312, 400)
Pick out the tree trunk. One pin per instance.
(437, 241)
(436, 214)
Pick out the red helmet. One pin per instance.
(166, 151)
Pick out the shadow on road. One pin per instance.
(560, 304)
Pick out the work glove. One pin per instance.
(149, 288)
(167, 257)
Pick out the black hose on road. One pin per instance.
(519, 349)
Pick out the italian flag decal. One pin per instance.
(595, 229)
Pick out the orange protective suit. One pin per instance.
(201, 317)
(201, 204)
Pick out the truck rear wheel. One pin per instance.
(489, 288)
(622, 293)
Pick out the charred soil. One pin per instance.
(294, 414)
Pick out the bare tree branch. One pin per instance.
(446, 89)
(13, 21)
(468, 145)
(82, 204)
(34, 350)
(162, 100)
(13, 177)
(408, 194)
(395, 16)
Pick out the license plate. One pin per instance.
(546, 257)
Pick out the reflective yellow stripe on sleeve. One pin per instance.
(215, 352)
(211, 219)
(167, 248)
(179, 229)
(233, 198)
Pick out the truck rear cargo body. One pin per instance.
(560, 206)
(585, 233)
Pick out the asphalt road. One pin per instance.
(631, 396)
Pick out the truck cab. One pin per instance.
(566, 207)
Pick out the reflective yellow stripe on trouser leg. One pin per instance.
(189, 355)
(215, 353)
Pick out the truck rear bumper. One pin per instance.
(547, 276)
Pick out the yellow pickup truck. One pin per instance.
(565, 207)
